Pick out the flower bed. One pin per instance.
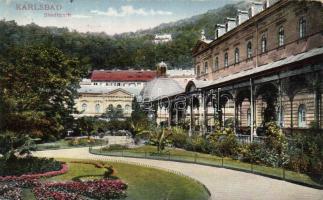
(29, 177)
(97, 189)
(10, 187)
(7, 191)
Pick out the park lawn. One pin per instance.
(144, 183)
(208, 159)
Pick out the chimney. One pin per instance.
(269, 3)
(219, 30)
(242, 17)
(256, 7)
(230, 24)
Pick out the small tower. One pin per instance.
(161, 69)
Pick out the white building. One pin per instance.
(162, 38)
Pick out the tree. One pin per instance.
(139, 120)
(112, 113)
(38, 88)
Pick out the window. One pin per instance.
(97, 108)
(206, 66)
(302, 116)
(263, 44)
(95, 83)
(226, 62)
(280, 116)
(110, 107)
(281, 36)
(84, 107)
(302, 27)
(249, 50)
(249, 117)
(127, 108)
(198, 70)
(216, 63)
(236, 56)
(119, 107)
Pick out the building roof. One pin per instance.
(95, 89)
(122, 75)
(160, 87)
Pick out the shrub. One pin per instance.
(196, 143)
(178, 137)
(306, 154)
(109, 172)
(224, 144)
(28, 165)
(115, 147)
(85, 141)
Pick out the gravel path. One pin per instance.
(222, 183)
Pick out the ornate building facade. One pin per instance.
(264, 64)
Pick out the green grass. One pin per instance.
(208, 159)
(144, 183)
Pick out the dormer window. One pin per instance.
(263, 44)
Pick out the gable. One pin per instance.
(200, 45)
(119, 92)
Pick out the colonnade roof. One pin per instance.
(201, 84)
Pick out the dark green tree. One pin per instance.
(38, 88)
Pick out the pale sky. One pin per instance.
(109, 16)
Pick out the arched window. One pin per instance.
(84, 107)
(226, 61)
(281, 36)
(216, 63)
(249, 50)
(206, 66)
(302, 27)
(97, 108)
(236, 56)
(263, 44)
(110, 107)
(280, 116)
(119, 107)
(302, 116)
(249, 117)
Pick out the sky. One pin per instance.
(109, 16)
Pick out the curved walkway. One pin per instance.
(222, 183)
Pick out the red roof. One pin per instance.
(122, 75)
